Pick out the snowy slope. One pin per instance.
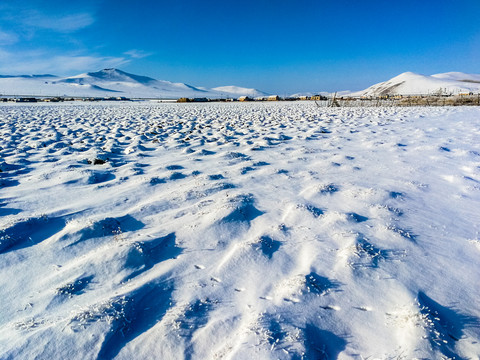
(239, 91)
(459, 76)
(410, 83)
(239, 231)
(112, 75)
(141, 86)
(111, 82)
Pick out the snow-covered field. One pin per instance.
(239, 231)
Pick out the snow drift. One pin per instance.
(239, 231)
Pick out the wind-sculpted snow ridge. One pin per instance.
(239, 231)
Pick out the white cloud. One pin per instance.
(67, 64)
(38, 62)
(137, 54)
(7, 38)
(25, 17)
(65, 23)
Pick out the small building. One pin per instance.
(53, 99)
(245, 98)
(318, 97)
(185, 100)
(23, 100)
(273, 98)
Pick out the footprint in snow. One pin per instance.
(396, 195)
(177, 176)
(216, 177)
(328, 189)
(246, 169)
(267, 246)
(316, 212)
(319, 285)
(354, 217)
(156, 180)
(174, 167)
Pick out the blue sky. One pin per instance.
(276, 46)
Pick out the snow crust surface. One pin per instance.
(239, 231)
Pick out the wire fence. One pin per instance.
(459, 100)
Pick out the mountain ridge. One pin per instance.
(410, 83)
(110, 80)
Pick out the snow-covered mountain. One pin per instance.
(111, 82)
(240, 91)
(410, 83)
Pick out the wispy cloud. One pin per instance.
(38, 62)
(26, 18)
(137, 54)
(60, 23)
(68, 64)
(37, 39)
(8, 38)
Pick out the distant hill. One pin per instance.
(112, 82)
(410, 83)
(118, 83)
(240, 91)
